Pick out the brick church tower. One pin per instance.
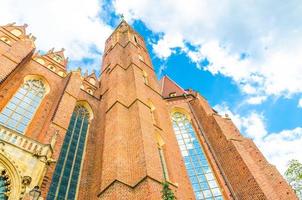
(123, 135)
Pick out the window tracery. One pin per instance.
(20, 109)
(67, 173)
(200, 173)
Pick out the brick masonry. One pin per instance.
(121, 159)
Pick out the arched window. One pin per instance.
(145, 76)
(200, 173)
(19, 111)
(66, 176)
(160, 143)
(153, 113)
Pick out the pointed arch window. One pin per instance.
(67, 173)
(145, 77)
(153, 113)
(200, 173)
(160, 144)
(21, 108)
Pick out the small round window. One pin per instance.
(90, 91)
(5, 39)
(51, 67)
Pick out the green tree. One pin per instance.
(293, 175)
(167, 193)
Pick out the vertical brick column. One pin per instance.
(126, 171)
(131, 166)
(248, 173)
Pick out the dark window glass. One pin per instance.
(66, 176)
(3, 188)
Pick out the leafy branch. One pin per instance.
(167, 193)
(293, 175)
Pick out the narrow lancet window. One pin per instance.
(152, 112)
(160, 145)
(145, 77)
(65, 179)
(200, 173)
(21, 108)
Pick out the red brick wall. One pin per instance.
(130, 152)
(13, 54)
(249, 175)
(122, 159)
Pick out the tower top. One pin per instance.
(124, 27)
(122, 17)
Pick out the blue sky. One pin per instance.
(244, 57)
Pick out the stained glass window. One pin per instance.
(19, 111)
(200, 173)
(66, 176)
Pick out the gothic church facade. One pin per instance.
(117, 136)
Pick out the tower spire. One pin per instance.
(122, 17)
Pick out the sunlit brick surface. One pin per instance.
(205, 158)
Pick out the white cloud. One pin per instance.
(278, 148)
(249, 89)
(268, 34)
(164, 48)
(281, 147)
(236, 118)
(256, 100)
(253, 126)
(300, 103)
(71, 24)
